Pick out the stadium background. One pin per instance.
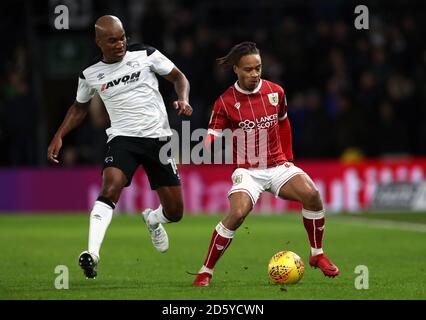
(356, 99)
(353, 94)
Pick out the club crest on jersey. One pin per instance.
(273, 98)
(133, 64)
(237, 105)
(124, 80)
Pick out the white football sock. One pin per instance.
(224, 231)
(316, 251)
(204, 269)
(100, 218)
(157, 216)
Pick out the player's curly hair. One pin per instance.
(235, 54)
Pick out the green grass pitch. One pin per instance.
(392, 246)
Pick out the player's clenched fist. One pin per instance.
(183, 107)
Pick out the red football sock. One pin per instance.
(314, 222)
(220, 241)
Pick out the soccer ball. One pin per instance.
(286, 267)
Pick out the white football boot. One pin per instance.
(159, 237)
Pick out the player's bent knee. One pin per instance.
(312, 200)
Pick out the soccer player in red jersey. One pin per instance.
(257, 108)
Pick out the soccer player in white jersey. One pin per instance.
(124, 77)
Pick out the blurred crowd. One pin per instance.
(351, 93)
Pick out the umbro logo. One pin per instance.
(320, 228)
(101, 76)
(109, 159)
(237, 105)
(219, 247)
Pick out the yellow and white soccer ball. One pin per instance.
(286, 267)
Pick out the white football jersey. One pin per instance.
(129, 90)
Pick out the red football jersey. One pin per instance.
(253, 119)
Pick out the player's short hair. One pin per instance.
(234, 55)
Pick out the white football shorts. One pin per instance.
(254, 181)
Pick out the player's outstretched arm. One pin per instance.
(182, 86)
(75, 115)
